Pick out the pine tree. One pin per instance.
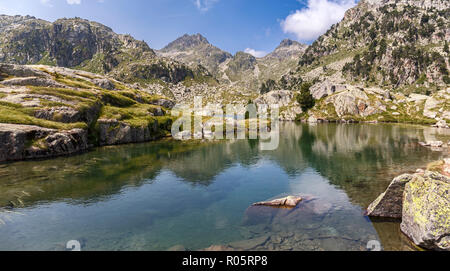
(305, 98)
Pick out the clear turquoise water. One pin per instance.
(158, 195)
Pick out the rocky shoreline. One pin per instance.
(23, 142)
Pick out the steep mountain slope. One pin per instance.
(82, 44)
(242, 70)
(279, 63)
(385, 61)
(195, 50)
(391, 44)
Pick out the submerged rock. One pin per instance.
(389, 204)
(250, 243)
(290, 202)
(426, 211)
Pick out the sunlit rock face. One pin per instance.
(426, 212)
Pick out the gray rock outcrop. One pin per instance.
(62, 114)
(113, 132)
(104, 83)
(19, 142)
(32, 81)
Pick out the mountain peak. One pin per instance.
(287, 43)
(186, 42)
(288, 49)
(196, 38)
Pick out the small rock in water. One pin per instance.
(290, 202)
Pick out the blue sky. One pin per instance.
(232, 25)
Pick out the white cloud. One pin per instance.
(314, 20)
(204, 5)
(46, 3)
(73, 2)
(255, 53)
(70, 2)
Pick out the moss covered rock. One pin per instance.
(426, 211)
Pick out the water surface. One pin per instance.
(161, 195)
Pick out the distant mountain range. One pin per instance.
(91, 46)
(86, 45)
(241, 69)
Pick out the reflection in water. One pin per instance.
(157, 195)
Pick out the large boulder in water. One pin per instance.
(426, 211)
(389, 204)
